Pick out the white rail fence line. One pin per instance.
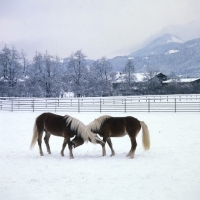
(170, 103)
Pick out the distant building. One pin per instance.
(140, 83)
(160, 77)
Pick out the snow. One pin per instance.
(188, 80)
(171, 51)
(182, 80)
(140, 77)
(68, 94)
(174, 39)
(168, 171)
(120, 77)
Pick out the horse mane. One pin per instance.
(80, 128)
(97, 123)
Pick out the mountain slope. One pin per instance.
(166, 54)
(155, 46)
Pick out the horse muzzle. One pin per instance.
(73, 145)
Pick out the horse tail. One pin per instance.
(145, 136)
(35, 135)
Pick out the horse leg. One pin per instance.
(46, 139)
(40, 142)
(63, 147)
(70, 149)
(133, 147)
(103, 147)
(110, 145)
(67, 141)
(129, 153)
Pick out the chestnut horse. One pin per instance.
(107, 126)
(64, 126)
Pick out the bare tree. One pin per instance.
(10, 70)
(45, 76)
(128, 71)
(77, 73)
(101, 77)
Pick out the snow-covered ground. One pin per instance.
(170, 170)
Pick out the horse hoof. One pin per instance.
(112, 154)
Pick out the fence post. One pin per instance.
(148, 105)
(175, 104)
(78, 104)
(55, 105)
(33, 104)
(125, 104)
(100, 105)
(12, 104)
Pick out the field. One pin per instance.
(170, 170)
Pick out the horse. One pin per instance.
(64, 126)
(107, 127)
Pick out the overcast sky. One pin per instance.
(97, 27)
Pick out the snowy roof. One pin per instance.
(182, 80)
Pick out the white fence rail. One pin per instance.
(163, 103)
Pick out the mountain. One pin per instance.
(166, 54)
(155, 46)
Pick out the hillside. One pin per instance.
(166, 54)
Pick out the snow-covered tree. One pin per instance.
(10, 71)
(77, 73)
(45, 76)
(128, 71)
(101, 77)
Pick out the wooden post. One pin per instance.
(125, 104)
(148, 105)
(12, 104)
(100, 105)
(175, 104)
(33, 105)
(78, 104)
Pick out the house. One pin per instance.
(140, 82)
(160, 77)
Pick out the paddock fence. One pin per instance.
(161, 103)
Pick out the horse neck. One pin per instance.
(94, 126)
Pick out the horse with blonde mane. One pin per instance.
(107, 127)
(64, 126)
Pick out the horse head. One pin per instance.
(77, 141)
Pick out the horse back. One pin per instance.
(132, 125)
(120, 126)
(54, 124)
